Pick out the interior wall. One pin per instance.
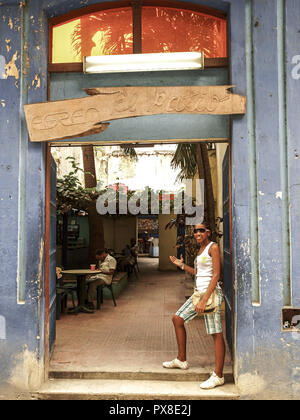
(118, 231)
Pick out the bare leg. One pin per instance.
(219, 353)
(180, 336)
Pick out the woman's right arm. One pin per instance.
(181, 265)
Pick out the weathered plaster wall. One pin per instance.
(264, 197)
(21, 197)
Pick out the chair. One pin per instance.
(62, 292)
(100, 294)
(60, 300)
(133, 268)
(136, 267)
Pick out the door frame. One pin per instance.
(47, 259)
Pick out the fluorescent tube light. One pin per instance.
(144, 62)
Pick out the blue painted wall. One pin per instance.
(152, 127)
(264, 37)
(22, 169)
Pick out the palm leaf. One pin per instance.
(130, 152)
(185, 160)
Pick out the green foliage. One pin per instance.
(70, 193)
(185, 158)
(130, 153)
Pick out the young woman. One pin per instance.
(207, 275)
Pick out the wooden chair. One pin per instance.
(63, 290)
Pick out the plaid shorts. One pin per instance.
(213, 322)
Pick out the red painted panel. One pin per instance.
(174, 30)
(105, 32)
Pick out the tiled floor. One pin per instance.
(136, 335)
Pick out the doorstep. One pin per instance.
(104, 389)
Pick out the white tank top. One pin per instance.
(204, 269)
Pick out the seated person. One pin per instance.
(107, 264)
(134, 249)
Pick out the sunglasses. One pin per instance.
(201, 230)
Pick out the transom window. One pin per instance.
(138, 29)
(166, 29)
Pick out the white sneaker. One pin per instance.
(173, 364)
(212, 382)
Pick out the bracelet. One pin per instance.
(182, 267)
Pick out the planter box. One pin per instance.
(119, 283)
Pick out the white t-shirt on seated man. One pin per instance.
(107, 264)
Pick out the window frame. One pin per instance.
(136, 7)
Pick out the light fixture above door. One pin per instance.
(144, 62)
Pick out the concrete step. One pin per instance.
(96, 389)
(152, 374)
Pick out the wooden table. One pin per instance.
(81, 286)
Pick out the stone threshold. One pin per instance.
(70, 389)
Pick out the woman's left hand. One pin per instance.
(200, 307)
(176, 261)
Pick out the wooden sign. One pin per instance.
(71, 118)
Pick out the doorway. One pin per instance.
(216, 76)
(138, 332)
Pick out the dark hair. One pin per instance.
(206, 224)
(100, 251)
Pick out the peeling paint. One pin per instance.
(2, 67)
(2, 328)
(245, 246)
(40, 269)
(10, 23)
(36, 83)
(251, 384)
(26, 57)
(28, 372)
(8, 46)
